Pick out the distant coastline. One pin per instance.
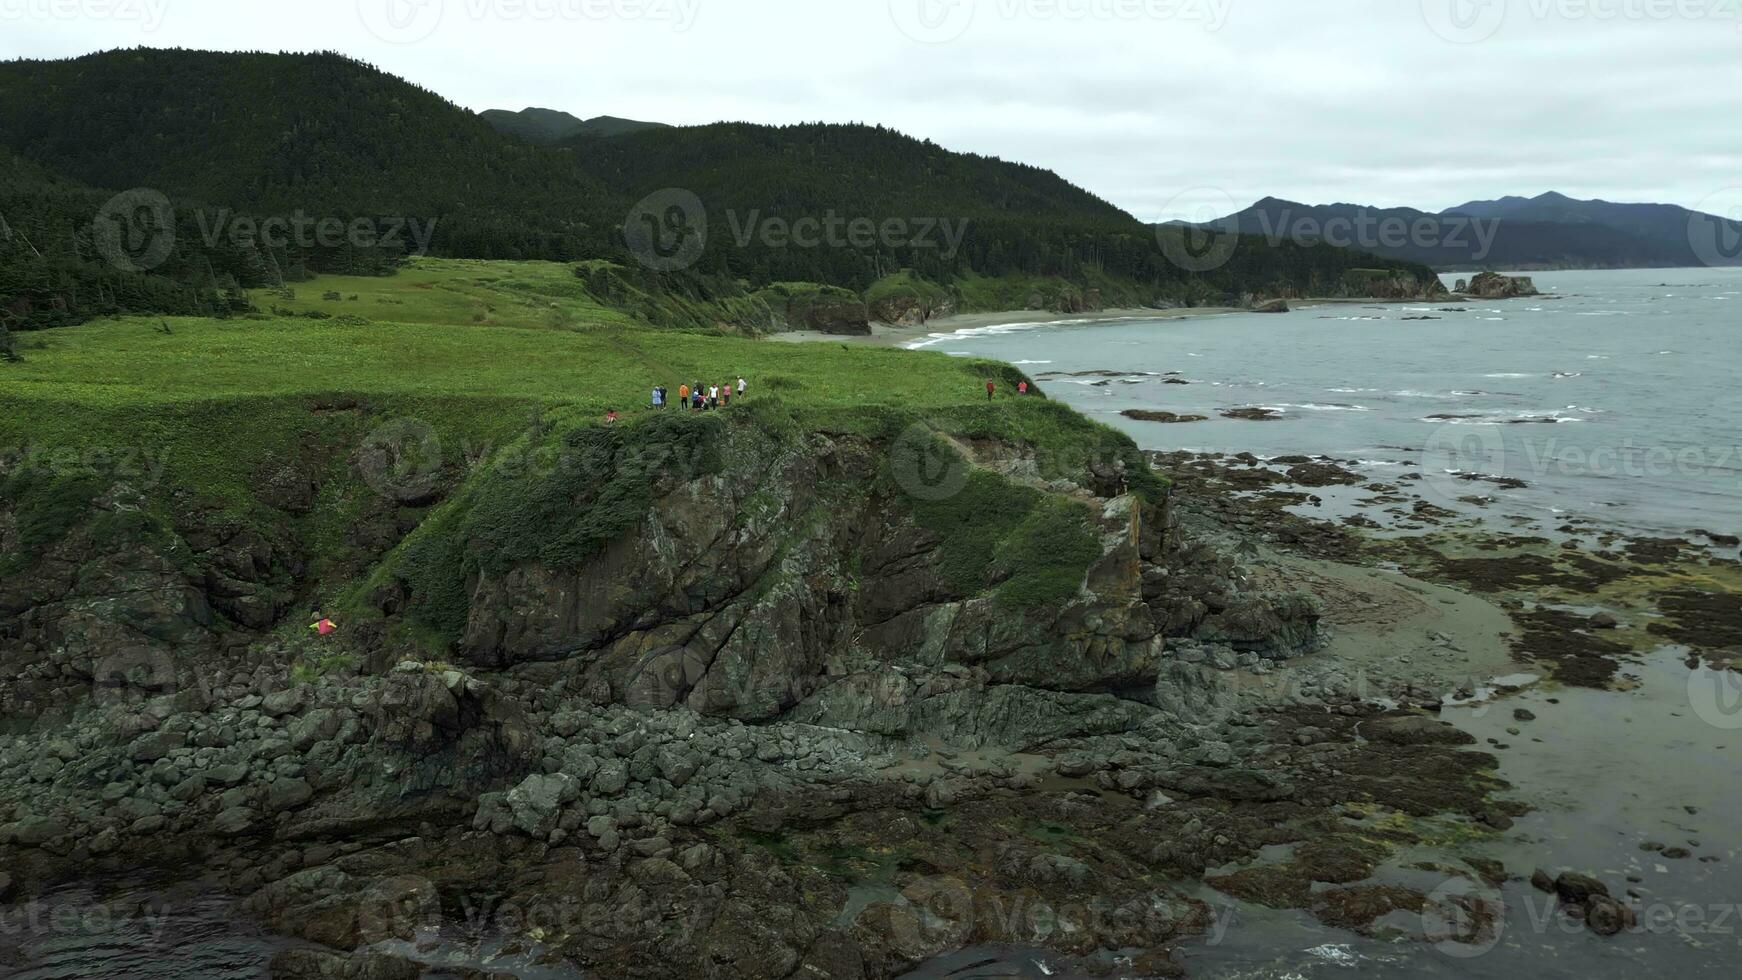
(905, 335)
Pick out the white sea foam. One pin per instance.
(1315, 407)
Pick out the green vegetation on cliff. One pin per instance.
(458, 409)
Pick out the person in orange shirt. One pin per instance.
(683, 396)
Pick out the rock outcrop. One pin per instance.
(910, 309)
(766, 653)
(1492, 285)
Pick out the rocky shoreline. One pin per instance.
(1189, 713)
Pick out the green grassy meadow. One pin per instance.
(213, 400)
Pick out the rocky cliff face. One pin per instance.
(794, 580)
(1492, 285)
(673, 677)
(1401, 287)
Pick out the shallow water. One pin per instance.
(1607, 771)
(135, 930)
(1616, 401)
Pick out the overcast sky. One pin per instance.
(1168, 108)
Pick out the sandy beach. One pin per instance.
(900, 335)
(892, 335)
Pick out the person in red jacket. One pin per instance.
(991, 388)
(1022, 388)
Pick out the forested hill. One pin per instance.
(322, 135)
(551, 126)
(275, 133)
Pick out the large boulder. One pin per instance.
(1492, 285)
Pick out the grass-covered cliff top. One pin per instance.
(470, 349)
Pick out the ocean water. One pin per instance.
(1615, 397)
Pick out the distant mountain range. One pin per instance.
(553, 126)
(1552, 231)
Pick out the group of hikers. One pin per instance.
(700, 397)
(697, 397)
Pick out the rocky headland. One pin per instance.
(921, 680)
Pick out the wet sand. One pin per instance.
(900, 335)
